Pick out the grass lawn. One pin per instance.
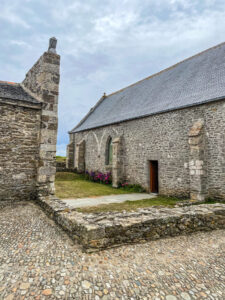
(131, 205)
(60, 158)
(134, 205)
(71, 185)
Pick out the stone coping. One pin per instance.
(96, 231)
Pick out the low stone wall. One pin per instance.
(104, 230)
(61, 166)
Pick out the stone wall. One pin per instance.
(19, 150)
(95, 231)
(43, 82)
(61, 166)
(70, 153)
(28, 133)
(165, 137)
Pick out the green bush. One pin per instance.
(134, 188)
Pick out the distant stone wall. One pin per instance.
(60, 166)
(166, 138)
(70, 154)
(19, 150)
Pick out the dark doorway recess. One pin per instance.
(154, 187)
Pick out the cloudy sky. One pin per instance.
(104, 45)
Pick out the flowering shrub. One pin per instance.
(135, 188)
(100, 177)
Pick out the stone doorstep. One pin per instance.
(105, 230)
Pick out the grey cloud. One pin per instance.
(104, 45)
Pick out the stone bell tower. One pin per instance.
(42, 80)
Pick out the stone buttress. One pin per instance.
(197, 161)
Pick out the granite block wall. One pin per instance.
(28, 133)
(165, 138)
(42, 81)
(19, 151)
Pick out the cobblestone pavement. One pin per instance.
(39, 261)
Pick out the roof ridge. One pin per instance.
(76, 128)
(166, 69)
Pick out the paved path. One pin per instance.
(94, 201)
(38, 261)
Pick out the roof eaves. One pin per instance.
(156, 113)
(28, 96)
(22, 103)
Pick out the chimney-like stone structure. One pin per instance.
(42, 81)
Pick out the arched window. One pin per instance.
(109, 151)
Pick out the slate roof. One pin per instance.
(14, 91)
(196, 80)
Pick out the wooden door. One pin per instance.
(153, 176)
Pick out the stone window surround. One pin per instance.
(109, 143)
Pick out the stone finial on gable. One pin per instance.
(52, 45)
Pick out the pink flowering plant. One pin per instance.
(99, 177)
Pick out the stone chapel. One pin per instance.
(165, 132)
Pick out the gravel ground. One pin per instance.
(39, 261)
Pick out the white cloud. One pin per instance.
(61, 149)
(10, 14)
(104, 45)
(20, 43)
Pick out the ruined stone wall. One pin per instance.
(19, 151)
(165, 137)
